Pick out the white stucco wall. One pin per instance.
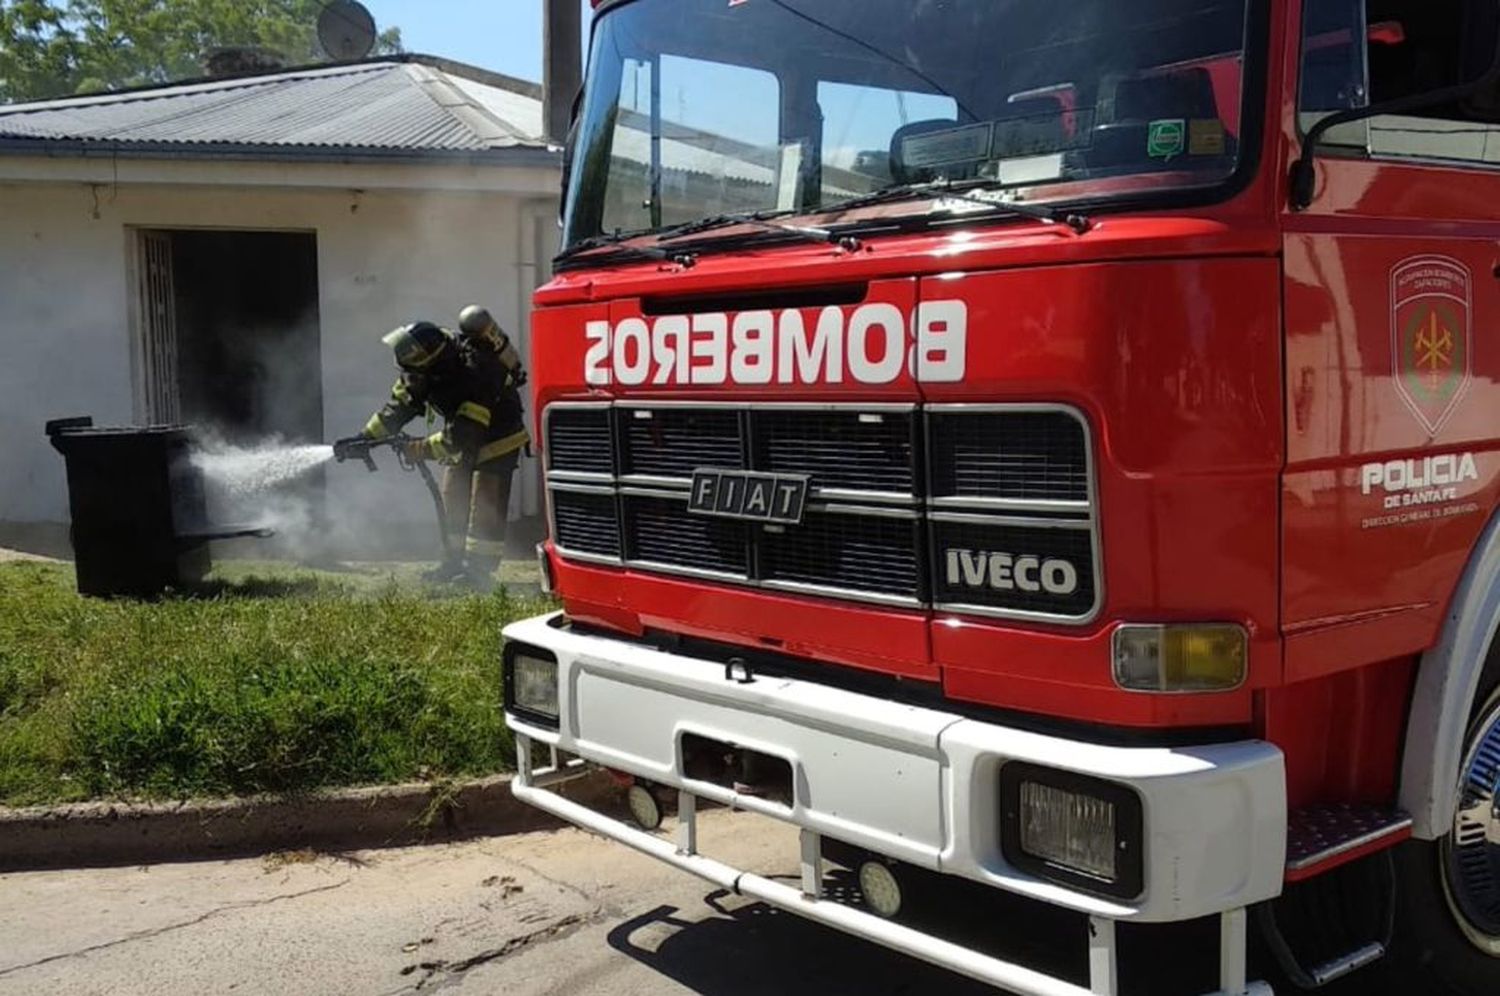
(385, 255)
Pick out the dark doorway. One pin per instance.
(229, 343)
(249, 358)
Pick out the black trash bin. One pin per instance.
(138, 508)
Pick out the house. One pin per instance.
(229, 252)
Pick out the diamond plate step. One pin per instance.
(1327, 835)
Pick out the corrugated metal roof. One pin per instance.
(400, 106)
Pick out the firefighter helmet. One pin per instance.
(418, 346)
(475, 322)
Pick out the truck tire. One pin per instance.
(1448, 891)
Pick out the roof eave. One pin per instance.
(522, 156)
(502, 81)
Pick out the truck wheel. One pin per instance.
(1448, 891)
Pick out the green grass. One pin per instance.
(274, 681)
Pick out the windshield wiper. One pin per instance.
(1078, 223)
(687, 258)
(762, 220)
(615, 241)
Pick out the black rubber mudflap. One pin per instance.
(1325, 928)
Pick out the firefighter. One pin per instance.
(490, 353)
(480, 442)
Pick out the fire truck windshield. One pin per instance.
(698, 109)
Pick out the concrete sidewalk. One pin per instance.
(8, 555)
(559, 913)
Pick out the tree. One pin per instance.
(52, 48)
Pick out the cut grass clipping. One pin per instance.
(268, 685)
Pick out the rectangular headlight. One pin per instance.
(1072, 829)
(1180, 657)
(1069, 829)
(531, 684)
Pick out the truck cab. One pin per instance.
(1054, 448)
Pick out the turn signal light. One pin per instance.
(1180, 658)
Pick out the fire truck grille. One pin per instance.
(829, 551)
(578, 440)
(842, 450)
(1046, 570)
(585, 522)
(1021, 455)
(964, 509)
(674, 442)
(660, 531)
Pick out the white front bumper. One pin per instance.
(916, 784)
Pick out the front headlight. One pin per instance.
(1072, 829)
(1069, 829)
(531, 684)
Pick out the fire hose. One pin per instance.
(362, 448)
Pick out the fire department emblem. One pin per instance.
(1431, 340)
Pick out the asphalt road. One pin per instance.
(560, 913)
(556, 913)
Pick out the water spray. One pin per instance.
(250, 476)
(246, 473)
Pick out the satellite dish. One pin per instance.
(346, 30)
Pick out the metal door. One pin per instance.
(158, 328)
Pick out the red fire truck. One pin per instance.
(1049, 446)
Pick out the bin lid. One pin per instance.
(71, 434)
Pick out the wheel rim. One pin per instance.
(1472, 851)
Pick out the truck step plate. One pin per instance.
(1327, 835)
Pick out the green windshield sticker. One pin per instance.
(1166, 139)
